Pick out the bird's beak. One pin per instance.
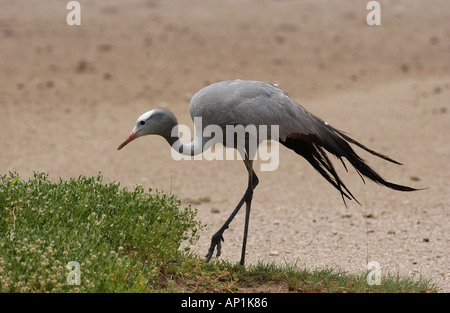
(130, 138)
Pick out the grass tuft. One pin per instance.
(120, 238)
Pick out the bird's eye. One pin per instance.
(141, 122)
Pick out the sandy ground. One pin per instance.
(69, 95)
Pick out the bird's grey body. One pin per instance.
(240, 102)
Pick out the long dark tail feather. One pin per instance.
(343, 135)
(336, 142)
(314, 155)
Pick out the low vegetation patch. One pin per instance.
(84, 235)
(121, 239)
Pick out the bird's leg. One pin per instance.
(252, 182)
(218, 236)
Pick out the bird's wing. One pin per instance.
(258, 103)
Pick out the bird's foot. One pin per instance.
(215, 242)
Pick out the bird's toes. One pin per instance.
(219, 248)
(215, 245)
(210, 252)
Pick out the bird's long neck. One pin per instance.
(192, 148)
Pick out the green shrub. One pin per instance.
(119, 238)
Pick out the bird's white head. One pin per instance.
(154, 122)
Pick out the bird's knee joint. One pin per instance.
(255, 181)
(249, 194)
